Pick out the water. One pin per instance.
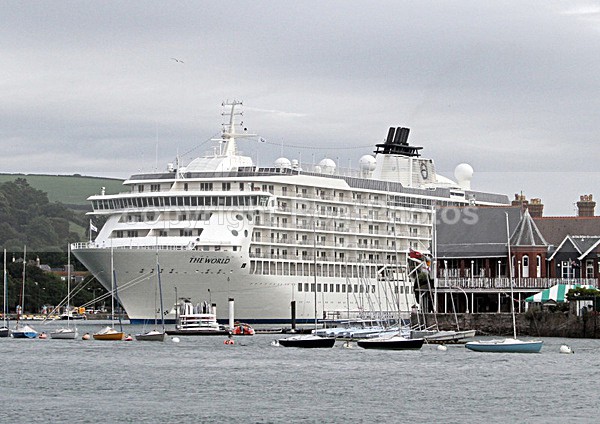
(202, 380)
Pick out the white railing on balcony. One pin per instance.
(504, 283)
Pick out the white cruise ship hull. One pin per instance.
(219, 276)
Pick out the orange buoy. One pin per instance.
(43, 336)
(86, 336)
(128, 338)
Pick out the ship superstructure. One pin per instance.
(224, 228)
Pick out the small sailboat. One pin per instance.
(508, 345)
(395, 342)
(4, 330)
(310, 340)
(156, 335)
(66, 333)
(109, 332)
(23, 331)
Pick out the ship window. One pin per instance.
(140, 188)
(200, 201)
(235, 233)
(144, 202)
(325, 287)
(312, 287)
(343, 288)
(299, 287)
(226, 186)
(194, 201)
(228, 201)
(162, 233)
(185, 186)
(179, 201)
(241, 186)
(305, 287)
(221, 201)
(186, 201)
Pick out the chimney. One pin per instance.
(536, 208)
(586, 205)
(520, 200)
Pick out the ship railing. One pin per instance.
(505, 283)
(94, 245)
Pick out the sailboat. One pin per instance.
(509, 345)
(310, 340)
(23, 331)
(156, 335)
(67, 332)
(4, 330)
(109, 332)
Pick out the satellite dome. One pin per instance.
(283, 163)
(463, 174)
(327, 166)
(367, 163)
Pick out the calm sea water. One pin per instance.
(202, 380)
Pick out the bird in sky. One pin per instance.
(177, 60)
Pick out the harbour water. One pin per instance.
(203, 380)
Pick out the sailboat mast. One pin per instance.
(68, 281)
(510, 274)
(315, 265)
(23, 285)
(112, 288)
(5, 291)
(160, 294)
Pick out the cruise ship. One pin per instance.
(289, 241)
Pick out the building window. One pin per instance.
(538, 266)
(589, 268)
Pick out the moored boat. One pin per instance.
(64, 333)
(505, 346)
(197, 320)
(307, 341)
(152, 336)
(23, 332)
(109, 333)
(396, 342)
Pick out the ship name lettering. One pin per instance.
(202, 260)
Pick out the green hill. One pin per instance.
(71, 190)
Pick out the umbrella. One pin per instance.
(556, 293)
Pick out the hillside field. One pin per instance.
(68, 189)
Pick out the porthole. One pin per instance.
(239, 217)
(234, 232)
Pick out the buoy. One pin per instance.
(43, 336)
(347, 345)
(175, 339)
(442, 347)
(128, 338)
(86, 336)
(565, 349)
(228, 342)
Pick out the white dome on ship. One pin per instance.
(327, 166)
(283, 163)
(367, 163)
(463, 174)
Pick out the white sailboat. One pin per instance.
(156, 335)
(109, 332)
(4, 330)
(509, 345)
(22, 331)
(67, 332)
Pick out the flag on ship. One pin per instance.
(93, 227)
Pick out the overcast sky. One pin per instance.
(510, 87)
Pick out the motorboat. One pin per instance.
(23, 332)
(197, 320)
